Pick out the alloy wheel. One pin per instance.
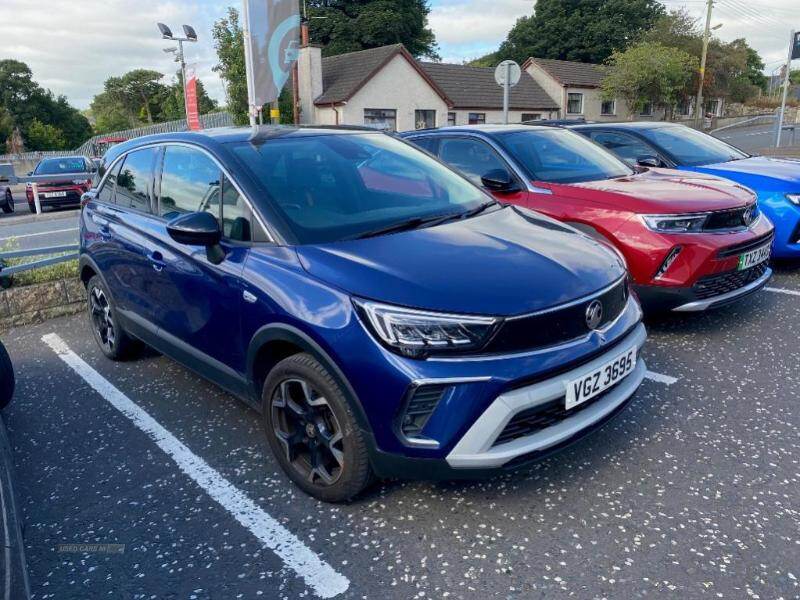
(309, 432)
(101, 318)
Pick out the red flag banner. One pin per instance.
(190, 93)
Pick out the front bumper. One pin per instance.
(477, 448)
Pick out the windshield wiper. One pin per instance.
(464, 215)
(397, 227)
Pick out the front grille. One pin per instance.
(558, 326)
(746, 246)
(716, 285)
(537, 418)
(731, 219)
(419, 409)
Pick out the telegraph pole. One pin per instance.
(786, 81)
(699, 111)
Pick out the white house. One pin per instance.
(386, 87)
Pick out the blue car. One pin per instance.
(384, 315)
(776, 181)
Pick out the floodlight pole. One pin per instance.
(786, 80)
(166, 34)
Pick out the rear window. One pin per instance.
(56, 166)
(329, 188)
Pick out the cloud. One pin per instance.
(73, 47)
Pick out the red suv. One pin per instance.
(65, 192)
(691, 241)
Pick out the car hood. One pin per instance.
(660, 191)
(507, 262)
(785, 170)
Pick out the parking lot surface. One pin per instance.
(691, 493)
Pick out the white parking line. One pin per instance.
(782, 291)
(27, 235)
(318, 575)
(659, 378)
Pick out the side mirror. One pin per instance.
(87, 197)
(499, 180)
(198, 229)
(30, 173)
(648, 161)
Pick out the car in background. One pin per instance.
(775, 180)
(66, 192)
(691, 241)
(6, 199)
(382, 313)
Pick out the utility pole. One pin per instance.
(786, 81)
(699, 110)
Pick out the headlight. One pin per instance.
(417, 333)
(793, 198)
(675, 223)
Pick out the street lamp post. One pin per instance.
(190, 36)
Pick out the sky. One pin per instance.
(73, 46)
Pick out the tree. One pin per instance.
(135, 97)
(351, 25)
(23, 100)
(173, 106)
(229, 44)
(579, 30)
(43, 136)
(649, 72)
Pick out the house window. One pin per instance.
(477, 118)
(424, 119)
(683, 108)
(647, 109)
(531, 117)
(451, 118)
(574, 104)
(712, 106)
(381, 118)
(608, 107)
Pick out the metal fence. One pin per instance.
(209, 121)
(6, 272)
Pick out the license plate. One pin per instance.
(754, 257)
(595, 383)
(55, 194)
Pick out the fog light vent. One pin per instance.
(673, 254)
(419, 409)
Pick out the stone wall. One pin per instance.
(36, 303)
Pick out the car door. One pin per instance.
(474, 158)
(199, 301)
(118, 230)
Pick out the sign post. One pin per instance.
(794, 52)
(271, 45)
(507, 75)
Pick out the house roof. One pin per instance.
(345, 74)
(570, 73)
(475, 87)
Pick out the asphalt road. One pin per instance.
(25, 230)
(754, 139)
(693, 492)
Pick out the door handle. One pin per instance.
(157, 260)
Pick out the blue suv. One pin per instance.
(385, 316)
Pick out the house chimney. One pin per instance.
(309, 76)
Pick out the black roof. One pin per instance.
(475, 87)
(627, 125)
(483, 129)
(571, 73)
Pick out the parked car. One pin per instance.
(385, 315)
(6, 199)
(691, 241)
(775, 180)
(61, 193)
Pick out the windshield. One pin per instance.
(692, 148)
(56, 166)
(561, 156)
(335, 187)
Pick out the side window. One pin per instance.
(473, 158)
(133, 180)
(431, 144)
(625, 146)
(237, 220)
(106, 193)
(190, 182)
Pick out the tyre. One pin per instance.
(312, 431)
(6, 377)
(114, 342)
(9, 205)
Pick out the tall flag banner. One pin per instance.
(796, 47)
(190, 94)
(272, 41)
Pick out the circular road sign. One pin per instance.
(510, 67)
